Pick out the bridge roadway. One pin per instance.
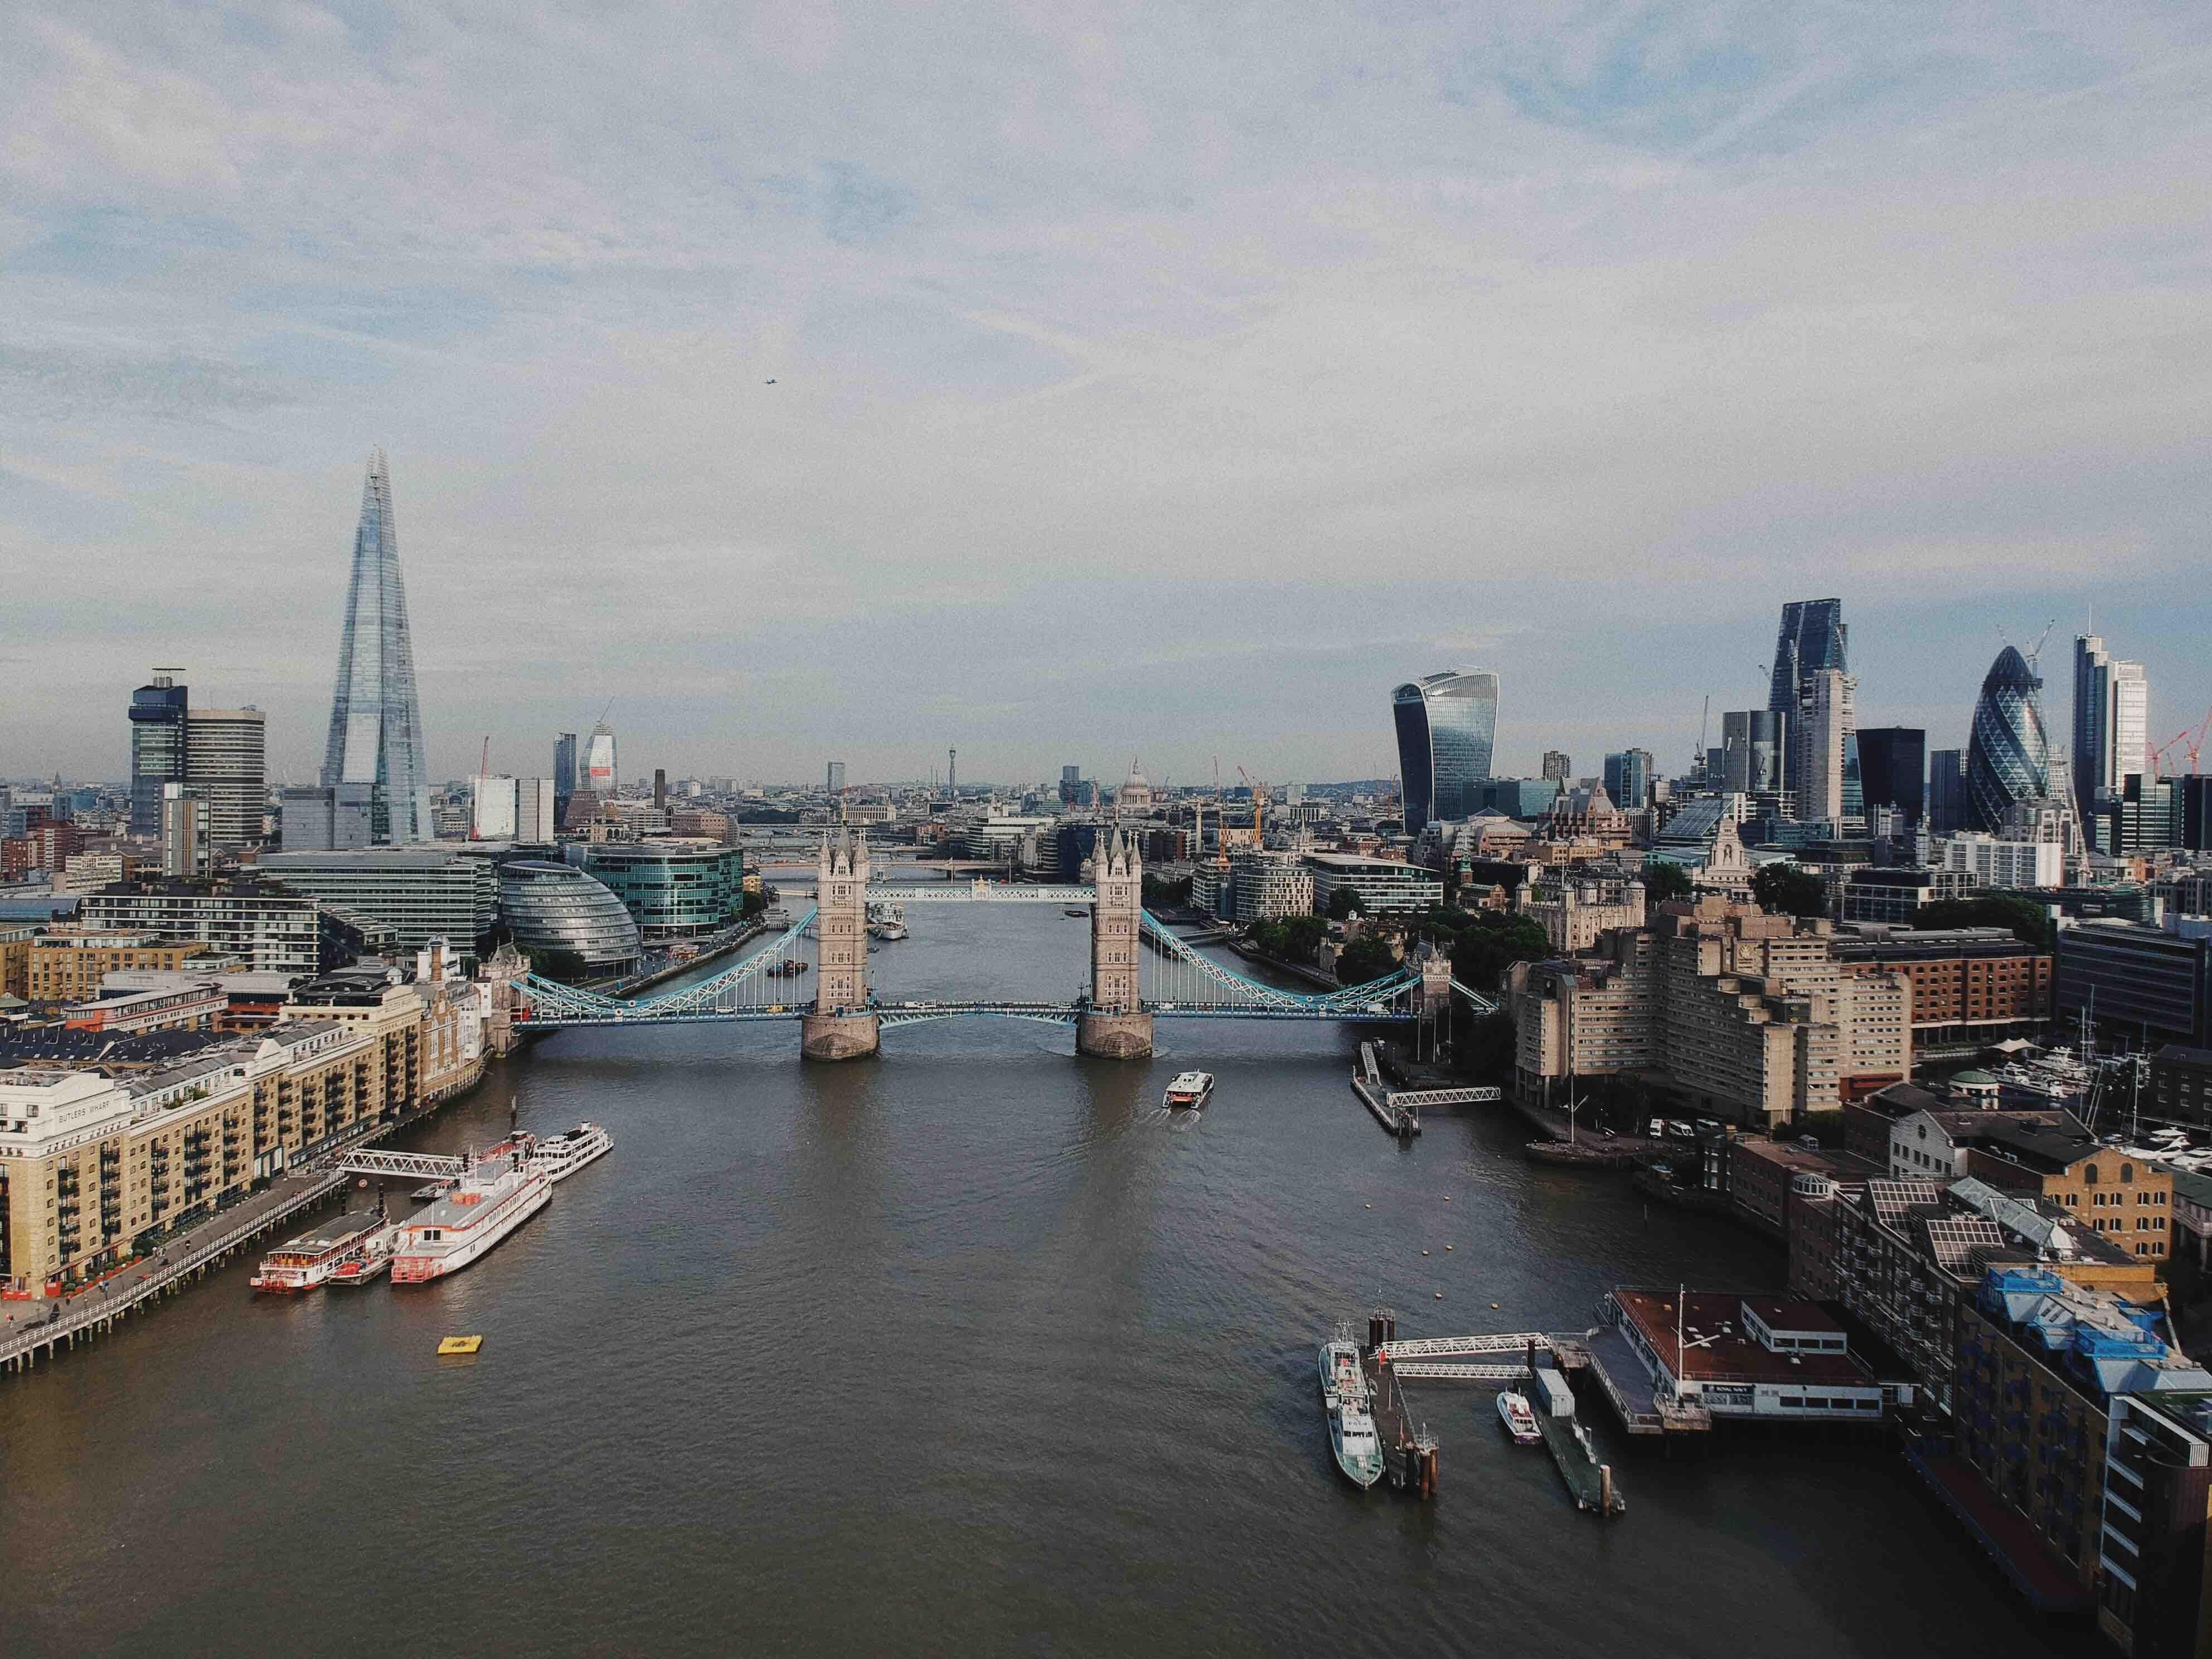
(892, 1014)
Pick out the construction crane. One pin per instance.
(1259, 797)
(2190, 743)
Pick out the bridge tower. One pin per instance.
(1114, 1026)
(841, 1027)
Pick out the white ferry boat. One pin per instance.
(1520, 1420)
(563, 1155)
(495, 1196)
(1351, 1425)
(1190, 1088)
(313, 1258)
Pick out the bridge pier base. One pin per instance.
(839, 1037)
(1114, 1036)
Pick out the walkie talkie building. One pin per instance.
(376, 723)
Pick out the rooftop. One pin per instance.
(1726, 1351)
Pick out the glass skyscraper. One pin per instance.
(2008, 756)
(2111, 723)
(1813, 637)
(1896, 769)
(1447, 730)
(376, 723)
(158, 735)
(599, 774)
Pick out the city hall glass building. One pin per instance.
(557, 909)
(1447, 730)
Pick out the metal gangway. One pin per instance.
(410, 1166)
(1477, 1358)
(1421, 1099)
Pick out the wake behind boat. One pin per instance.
(1343, 1396)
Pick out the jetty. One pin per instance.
(1399, 1110)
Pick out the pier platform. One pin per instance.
(1627, 1389)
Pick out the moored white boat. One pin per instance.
(1352, 1435)
(313, 1258)
(494, 1197)
(1520, 1419)
(563, 1155)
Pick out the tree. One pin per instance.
(1158, 892)
(1790, 890)
(1366, 959)
(1663, 879)
(1342, 902)
(2028, 921)
(1492, 943)
(1292, 937)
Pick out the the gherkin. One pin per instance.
(2008, 756)
(376, 723)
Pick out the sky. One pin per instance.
(1075, 383)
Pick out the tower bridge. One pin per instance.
(1140, 971)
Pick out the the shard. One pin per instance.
(376, 723)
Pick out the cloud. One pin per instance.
(1158, 380)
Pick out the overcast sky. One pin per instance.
(1167, 381)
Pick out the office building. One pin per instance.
(158, 712)
(2111, 722)
(600, 772)
(1827, 721)
(2148, 984)
(674, 888)
(1893, 771)
(376, 723)
(2003, 862)
(512, 809)
(223, 758)
(564, 769)
(1628, 778)
(2008, 756)
(1447, 727)
(318, 820)
(1557, 768)
(187, 844)
(1267, 886)
(559, 912)
(2144, 815)
(421, 893)
(1071, 786)
(2194, 790)
(1890, 894)
(835, 780)
(1383, 885)
(1756, 757)
(1813, 637)
(1517, 798)
(1946, 792)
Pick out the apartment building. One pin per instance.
(1746, 1016)
(1971, 986)
(66, 964)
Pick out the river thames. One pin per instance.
(970, 1347)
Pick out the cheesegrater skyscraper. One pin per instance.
(376, 725)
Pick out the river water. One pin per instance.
(970, 1347)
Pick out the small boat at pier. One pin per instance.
(1513, 1411)
(314, 1258)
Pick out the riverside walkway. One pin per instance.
(28, 1330)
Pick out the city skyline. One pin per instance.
(1503, 326)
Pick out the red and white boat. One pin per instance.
(319, 1257)
(497, 1194)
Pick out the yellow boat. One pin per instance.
(460, 1344)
